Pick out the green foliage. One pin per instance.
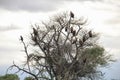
(28, 78)
(9, 77)
(97, 55)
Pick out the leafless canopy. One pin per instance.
(64, 50)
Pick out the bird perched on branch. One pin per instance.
(35, 32)
(71, 14)
(44, 47)
(21, 38)
(90, 33)
(66, 29)
(84, 60)
(35, 39)
(80, 42)
(84, 38)
(74, 32)
(71, 29)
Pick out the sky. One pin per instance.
(17, 16)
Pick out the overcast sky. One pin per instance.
(16, 16)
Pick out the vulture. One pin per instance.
(71, 29)
(84, 38)
(74, 32)
(35, 31)
(90, 33)
(53, 27)
(71, 14)
(35, 39)
(84, 61)
(66, 29)
(80, 42)
(21, 38)
(44, 48)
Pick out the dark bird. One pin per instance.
(44, 48)
(74, 32)
(71, 29)
(90, 33)
(53, 27)
(35, 39)
(84, 38)
(84, 61)
(80, 42)
(21, 38)
(66, 29)
(35, 31)
(71, 14)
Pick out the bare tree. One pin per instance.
(64, 50)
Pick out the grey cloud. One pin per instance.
(29, 5)
(8, 28)
(34, 5)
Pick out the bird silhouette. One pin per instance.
(21, 38)
(84, 38)
(74, 32)
(66, 29)
(71, 14)
(44, 48)
(35, 38)
(71, 29)
(84, 60)
(90, 33)
(35, 32)
(80, 42)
